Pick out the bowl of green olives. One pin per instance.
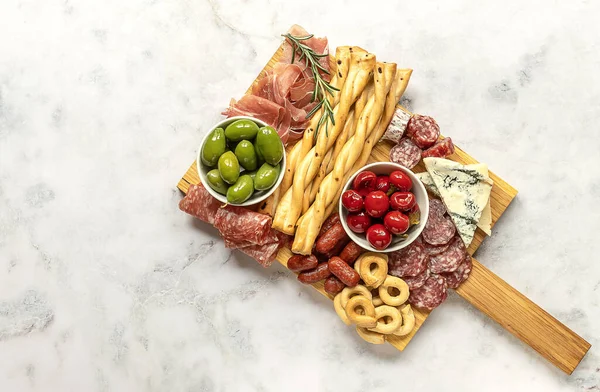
(241, 161)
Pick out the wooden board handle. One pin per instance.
(524, 319)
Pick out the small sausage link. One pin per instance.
(333, 285)
(351, 252)
(337, 249)
(329, 222)
(331, 237)
(299, 263)
(315, 275)
(343, 271)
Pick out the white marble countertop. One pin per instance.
(106, 286)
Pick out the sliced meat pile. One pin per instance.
(240, 228)
(282, 97)
(435, 261)
(415, 139)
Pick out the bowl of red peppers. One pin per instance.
(384, 207)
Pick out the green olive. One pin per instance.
(214, 147)
(266, 177)
(269, 145)
(241, 130)
(216, 182)
(252, 174)
(241, 190)
(229, 167)
(246, 155)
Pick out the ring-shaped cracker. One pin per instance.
(339, 309)
(392, 282)
(349, 292)
(373, 268)
(388, 318)
(408, 321)
(370, 336)
(360, 311)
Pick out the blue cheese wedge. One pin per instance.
(464, 190)
(485, 222)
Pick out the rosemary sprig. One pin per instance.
(322, 87)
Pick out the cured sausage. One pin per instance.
(241, 225)
(431, 294)
(414, 282)
(450, 259)
(351, 252)
(433, 250)
(330, 238)
(343, 271)
(456, 278)
(410, 261)
(299, 263)
(315, 275)
(439, 231)
(405, 153)
(200, 204)
(441, 149)
(329, 222)
(423, 130)
(333, 285)
(437, 209)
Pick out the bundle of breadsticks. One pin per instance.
(318, 167)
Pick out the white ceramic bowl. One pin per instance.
(420, 194)
(257, 196)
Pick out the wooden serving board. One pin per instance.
(483, 289)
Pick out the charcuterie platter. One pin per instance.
(300, 172)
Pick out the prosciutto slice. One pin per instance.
(283, 97)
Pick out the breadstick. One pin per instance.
(400, 82)
(309, 225)
(303, 145)
(356, 78)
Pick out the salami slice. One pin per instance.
(200, 204)
(410, 261)
(433, 250)
(431, 294)
(397, 126)
(439, 231)
(414, 282)
(423, 131)
(441, 149)
(436, 208)
(455, 279)
(241, 225)
(449, 260)
(406, 153)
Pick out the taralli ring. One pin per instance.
(370, 336)
(360, 311)
(393, 291)
(377, 301)
(388, 318)
(408, 321)
(349, 292)
(373, 269)
(339, 309)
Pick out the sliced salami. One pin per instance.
(241, 225)
(450, 259)
(439, 231)
(441, 149)
(410, 261)
(200, 204)
(455, 279)
(431, 294)
(436, 208)
(397, 126)
(406, 153)
(433, 250)
(423, 131)
(414, 282)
